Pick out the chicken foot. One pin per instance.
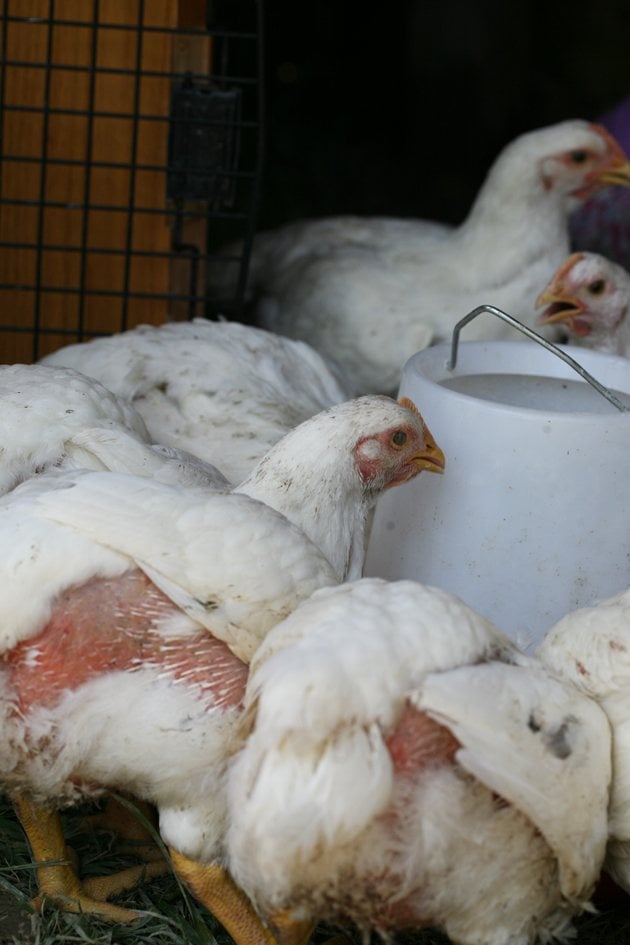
(290, 931)
(58, 881)
(215, 888)
(131, 820)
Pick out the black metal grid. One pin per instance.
(207, 169)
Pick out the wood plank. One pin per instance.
(86, 207)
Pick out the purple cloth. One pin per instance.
(617, 121)
(602, 224)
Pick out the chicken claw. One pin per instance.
(58, 881)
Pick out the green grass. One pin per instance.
(170, 915)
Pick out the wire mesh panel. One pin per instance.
(131, 146)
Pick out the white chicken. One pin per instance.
(324, 475)
(169, 574)
(369, 302)
(134, 554)
(423, 769)
(591, 647)
(223, 391)
(57, 417)
(403, 765)
(589, 296)
(41, 408)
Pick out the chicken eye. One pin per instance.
(399, 438)
(597, 287)
(579, 157)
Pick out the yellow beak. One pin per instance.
(618, 176)
(431, 458)
(566, 308)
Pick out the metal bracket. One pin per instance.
(203, 145)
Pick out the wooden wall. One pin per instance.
(84, 147)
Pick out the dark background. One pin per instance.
(400, 108)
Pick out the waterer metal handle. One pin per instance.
(491, 310)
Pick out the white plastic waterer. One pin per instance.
(531, 518)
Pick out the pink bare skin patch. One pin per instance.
(418, 742)
(113, 625)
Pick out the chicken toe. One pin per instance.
(57, 879)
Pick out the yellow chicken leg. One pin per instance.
(59, 881)
(290, 931)
(218, 892)
(125, 817)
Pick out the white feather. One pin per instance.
(42, 408)
(551, 744)
(591, 648)
(232, 563)
(321, 822)
(173, 755)
(223, 391)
